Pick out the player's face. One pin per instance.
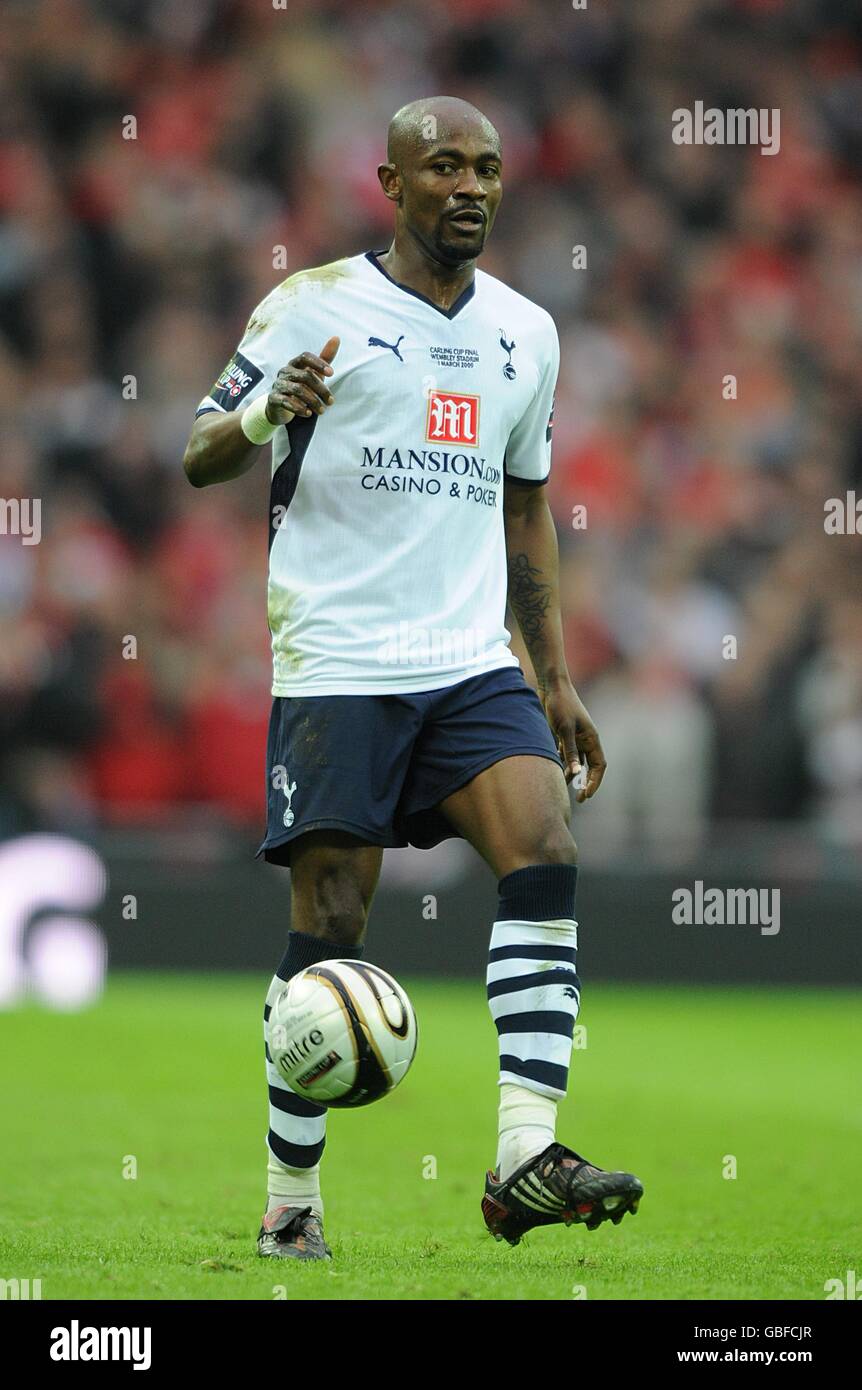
(450, 196)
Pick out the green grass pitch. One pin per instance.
(672, 1080)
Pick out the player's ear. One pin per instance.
(390, 181)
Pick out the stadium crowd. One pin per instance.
(157, 160)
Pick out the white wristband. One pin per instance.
(255, 424)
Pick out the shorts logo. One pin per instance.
(288, 815)
(235, 382)
(452, 418)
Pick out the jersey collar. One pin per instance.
(463, 299)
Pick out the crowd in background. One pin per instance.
(129, 266)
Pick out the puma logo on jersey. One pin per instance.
(393, 347)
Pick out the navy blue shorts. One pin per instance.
(378, 766)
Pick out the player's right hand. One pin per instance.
(299, 388)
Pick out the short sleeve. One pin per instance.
(255, 364)
(528, 452)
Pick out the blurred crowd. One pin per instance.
(712, 624)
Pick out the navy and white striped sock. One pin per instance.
(297, 1127)
(534, 996)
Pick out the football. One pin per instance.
(343, 1033)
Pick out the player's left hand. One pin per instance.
(577, 738)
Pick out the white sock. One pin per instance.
(296, 1128)
(294, 1187)
(527, 1125)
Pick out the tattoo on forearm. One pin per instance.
(529, 597)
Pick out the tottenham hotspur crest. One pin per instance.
(508, 371)
(288, 791)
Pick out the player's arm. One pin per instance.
(534, 598)
(533, 563)
(219, 448)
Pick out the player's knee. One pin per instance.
(555, 846)
(551, 846)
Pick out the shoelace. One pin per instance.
(295, 1222)
(568, 1174)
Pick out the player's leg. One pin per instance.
(335, 768)
(516, 813)
(333, 879)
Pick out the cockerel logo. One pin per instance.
(288, 817)
(509, 370)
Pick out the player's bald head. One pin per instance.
(435, 120)
(444, 175)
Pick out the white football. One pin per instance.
(342, 1033)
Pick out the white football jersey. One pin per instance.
(387, 568)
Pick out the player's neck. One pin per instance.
(410, 265)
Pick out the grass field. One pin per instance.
(168, 1070)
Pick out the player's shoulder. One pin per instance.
(530, 317)
(302, 289)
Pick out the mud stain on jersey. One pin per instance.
(318, 278)
(287, 661)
